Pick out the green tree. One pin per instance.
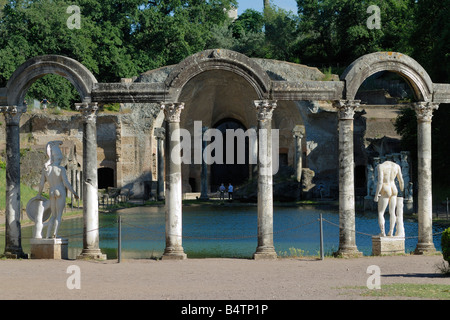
(271, 35)
(117, 38)
(335, 31)
(281, 31)
(167, 31)
(31, 29)
(430, 38)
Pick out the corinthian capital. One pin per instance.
(88, 111)
(346, 108)
(172, 111)
(12, 114)
(264, 109)
(298, 132)
(424, 110)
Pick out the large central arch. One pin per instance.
(218, 59)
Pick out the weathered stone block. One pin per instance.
(55, 248)
(387, 245)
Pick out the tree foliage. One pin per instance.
(335, 31)
(123, 38)
(117, 39)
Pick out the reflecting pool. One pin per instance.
(227, 231)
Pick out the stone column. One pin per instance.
(174, 248)
(204, 176)
(347, 240)
(424, 112)
(253, 154)
(160, 136)
(298, 132)
(265, 249)
(91, 249)
(13, 236)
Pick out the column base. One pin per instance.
(425, 248)
(387, 245)
(14, 255)
(265, 253)
(91, 254)
(348, 252)
(174, 254)
(53, 248)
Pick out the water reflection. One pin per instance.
(229, 232)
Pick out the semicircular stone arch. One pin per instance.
(33, 69)
(405, 66)
(218, 59)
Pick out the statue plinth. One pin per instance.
(387, 245)
(53, 248)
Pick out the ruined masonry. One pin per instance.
(330, 133)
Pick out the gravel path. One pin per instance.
(211, 279)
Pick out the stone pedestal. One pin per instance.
(54, 248)
(387, 245)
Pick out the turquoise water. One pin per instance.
(224, 231)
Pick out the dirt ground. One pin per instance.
(210, 279)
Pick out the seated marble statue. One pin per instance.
(387, 194)
(56, 176)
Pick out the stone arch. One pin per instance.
(24, 76)
(218, 59)
(399, 63)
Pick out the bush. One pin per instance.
(445, 243)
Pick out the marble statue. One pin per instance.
(387, 194)
(408, 195)
(55, 175)
(38, 210)
(370, 181)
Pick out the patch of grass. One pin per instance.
(327, 74)
(113, 107)
(409, 290)
(293, 253)
(26, 193)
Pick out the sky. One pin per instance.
(258, 5)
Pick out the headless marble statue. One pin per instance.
(56, 177)
(386, 194)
